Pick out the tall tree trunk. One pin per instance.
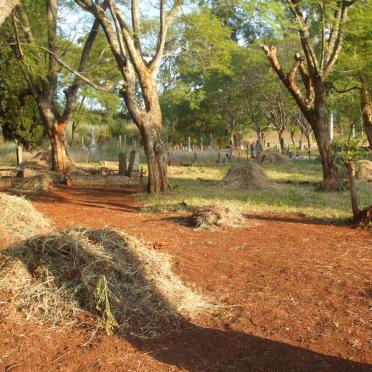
(281, 139)
(359, 216)
(309, 140)
(319, 124)
(292, 134)
(73, 131)
(366, 106)
(331, 179)
(156, 154)
(61, 161)
(6, 7)
(353, 189)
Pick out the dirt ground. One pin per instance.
(295, 295)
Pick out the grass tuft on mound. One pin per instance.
(19, 219)
(217, 216)
(105, 276)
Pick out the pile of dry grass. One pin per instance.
(273, 157)
(246, 175)
(217, 216)
(19, 219)
(5, 239)
(364, 170)
(117, 280)
(38, 183)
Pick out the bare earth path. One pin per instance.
(301, 293)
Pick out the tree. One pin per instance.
(320, 26)
(42, 78)
(6, 7)
(278, 112)
(305, 127)
(138, 69)
(353, 72)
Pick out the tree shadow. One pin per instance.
(183, 344)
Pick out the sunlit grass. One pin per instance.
(199, 185)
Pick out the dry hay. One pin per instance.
(5, 239)
(35, 184)
(246, 175)
(217, 216)
(43, 156)
(19, 219)
(108, 277)
(364, 170)
(273, 157)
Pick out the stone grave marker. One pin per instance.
(133, 162)
(123, 164)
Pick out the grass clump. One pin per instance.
(217, 216)
(112, 278)
(19, 219)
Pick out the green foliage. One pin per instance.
(19, 115)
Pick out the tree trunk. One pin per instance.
(73, 131)
(156, 154)
(359, 216)
(6, 7)
(366, 106)
(281, 139)
(353, 190)
(331, 179)
(319, 124)
(292, 134)
(61, 162)
(309, 140)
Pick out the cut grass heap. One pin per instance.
(109, 276)
(19, 219)
(38, 183)
(217, 216)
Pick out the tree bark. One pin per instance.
(281, 140)
(61, 162)
(292, 134)
(6, 7)
(366, 106)
(359, 216)
(156, 155)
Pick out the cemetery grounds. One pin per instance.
(294, 284)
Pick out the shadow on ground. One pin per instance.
(190, 347)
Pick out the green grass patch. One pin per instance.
(199, 185)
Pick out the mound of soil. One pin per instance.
(364, 170)
(273, 157)
(246, 175)
(216, 216)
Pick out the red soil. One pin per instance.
(301, 295)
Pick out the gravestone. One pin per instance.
(259, 150)
(133, 162)
(189, 144)
(123, 164)
(93, 144)
(19, 154)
